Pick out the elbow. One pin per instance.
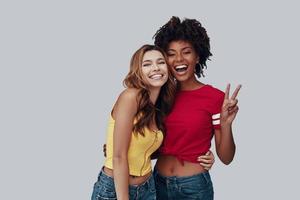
(118, 158)
(226, 156)
(226, 161)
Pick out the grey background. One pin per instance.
(62, 65)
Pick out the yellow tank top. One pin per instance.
(139, 151)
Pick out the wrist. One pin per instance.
(225, 125)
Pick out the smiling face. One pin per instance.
(182, 59)
(154, 69)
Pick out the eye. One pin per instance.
(170, 54)
(186, 52)
(161, 62)
(146, 65)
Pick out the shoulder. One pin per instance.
(215, 93)
(129, 94)
(126, 104)
(128, 98)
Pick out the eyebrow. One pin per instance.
(184, 48)
(151, 60)
(147, 61)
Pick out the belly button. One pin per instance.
(172, 170)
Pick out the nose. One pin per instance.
(155, 67)
(178, 58)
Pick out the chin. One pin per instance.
(181, 78)
(156, 85)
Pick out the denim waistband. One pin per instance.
(205, 176)
(110, 179)
(147, 183)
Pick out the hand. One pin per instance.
(229, 107)
(104, 150)
(207, 160)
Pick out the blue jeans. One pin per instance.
(104, 188)
(198, 187)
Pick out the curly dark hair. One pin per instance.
(189, 30)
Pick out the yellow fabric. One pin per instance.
(139, 152)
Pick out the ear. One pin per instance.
(197, 59)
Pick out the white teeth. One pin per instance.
(156, 76)
(180, 66)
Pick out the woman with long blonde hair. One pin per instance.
(135, 128)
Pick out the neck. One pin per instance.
(190, 84)
(154, 92)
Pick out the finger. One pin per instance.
(232, 103)
(209, 154)
(225, 106)
(206, 159)
(227, 91)
(207, 162)
(234, 110)
(104, 150)
(206, 166)
(236, 91)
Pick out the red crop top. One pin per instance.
(190, 125)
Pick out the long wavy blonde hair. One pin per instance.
(147, 111)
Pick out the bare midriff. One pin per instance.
(168, 165)
(133, 180)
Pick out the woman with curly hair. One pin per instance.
(200, 112)
(135, 128)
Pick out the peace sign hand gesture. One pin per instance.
(229, 107)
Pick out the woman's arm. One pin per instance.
(225, 145)
(123, 113)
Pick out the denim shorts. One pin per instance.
(104, 188)
(198, 186)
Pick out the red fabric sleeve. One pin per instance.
(217, 110)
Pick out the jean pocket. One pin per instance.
(151, 184)
(196, 185)
(208, 180)
(202, 191)
(103, 192)
(158, 180)
(190, 189)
